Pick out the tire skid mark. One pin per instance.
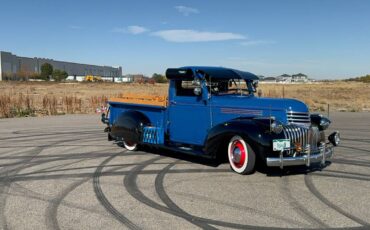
(30, 158)
(47, 134)
(103, 199)
(357, 140)
(22, 159)
(8, 154)
(52, 209)
(49, 143)
(5, 184)
(76, 155)
(60, 167)
(132, 189)
(298, 207)
(342, 176)
(15, 166)
(65, 129)
(351, 162)
(159, 188)
(130, 183)
(311, 186)
(354, 148)
(25, 192)
(26, 177)
(333, 172)
(243, 208)
(102, 165)
(6, 181)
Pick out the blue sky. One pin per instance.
(323, 38)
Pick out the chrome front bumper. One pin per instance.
(325, 152)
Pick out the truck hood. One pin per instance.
(258, 103)
(282, 104)
(235, 106)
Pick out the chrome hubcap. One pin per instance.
(236, 155)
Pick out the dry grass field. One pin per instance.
(340, 95)
(49, 98)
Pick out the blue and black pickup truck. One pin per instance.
(213, 112)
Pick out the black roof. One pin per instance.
(299, 75)
(214, 72)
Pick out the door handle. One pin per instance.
(173, 102)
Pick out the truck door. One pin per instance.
(189, 115)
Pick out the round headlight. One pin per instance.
(334, 138)
(337, 139)
(324, 123)
(276, 127)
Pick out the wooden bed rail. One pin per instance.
(141, 99)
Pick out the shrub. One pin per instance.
(46, 71)
(159, 78)
(59, 75)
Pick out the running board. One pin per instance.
(185, 150)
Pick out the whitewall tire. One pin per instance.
(241, 157)
(131, 146)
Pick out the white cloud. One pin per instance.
(257, 42)
(186, 11)
(131, 30)
(195, 36)
(137, 29)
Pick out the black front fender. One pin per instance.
(255, 133)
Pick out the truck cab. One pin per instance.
(213, 112)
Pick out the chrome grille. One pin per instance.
(298, 117)
(302, 135)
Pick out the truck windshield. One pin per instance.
(228, 86)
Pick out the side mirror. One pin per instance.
(255, 85)
(197, 91)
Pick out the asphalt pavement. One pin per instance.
(61, 173)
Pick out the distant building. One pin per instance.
(126, 78)
(139, 78)
(299, 77)
(284, 78)
(11, 65)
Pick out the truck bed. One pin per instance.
(153, 107)
(151, 100)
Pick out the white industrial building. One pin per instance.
(11, 65)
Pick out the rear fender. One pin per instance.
(128, 126)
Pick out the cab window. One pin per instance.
(186, 87)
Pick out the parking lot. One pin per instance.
(62, 173)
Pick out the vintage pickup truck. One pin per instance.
(213, 112)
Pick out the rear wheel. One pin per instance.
(242, 158)
(131, 146)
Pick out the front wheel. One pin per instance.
(242, 158)
(131, 146)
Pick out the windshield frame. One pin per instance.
(217, 87)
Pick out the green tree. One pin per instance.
(46, 71)
(59, 75)
(159, 78)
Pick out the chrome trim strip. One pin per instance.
(298, 119)
(295, 117)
